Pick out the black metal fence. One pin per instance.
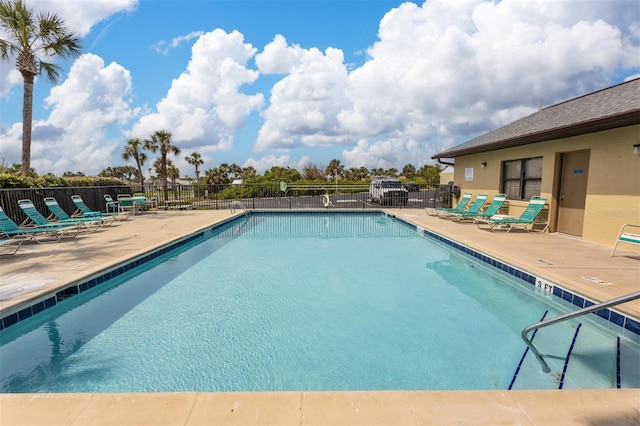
(251, 196)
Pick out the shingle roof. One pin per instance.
(615, 106)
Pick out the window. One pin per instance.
(521, 179)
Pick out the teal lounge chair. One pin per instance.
(40, 234)
(84, 211)
(492, 209)
(462, 204)
(126, 204)
(58, 215)
(473, 209)
(112, 206)
(527, 218)
(35, 219)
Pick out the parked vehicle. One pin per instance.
(388, 192)
(411, 186)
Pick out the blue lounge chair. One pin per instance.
(462, 205)
(508, 223)
(58, 215)
(84, 211)
(492, 209)
(473, 209)
(40, 234)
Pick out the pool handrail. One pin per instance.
(237, 204)
(613, 302)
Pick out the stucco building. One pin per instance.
(582, 154)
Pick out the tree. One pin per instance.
(430, 173)
(172, 172)
(236, 171)
(33, 39)
(133, 150)
(334, 169)
(216, 176)
(312, 171)
(282, 174)
(195, 160)
(409, 170)
(161, 141)
(248, 172)
(119, 172)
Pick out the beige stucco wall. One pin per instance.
(613, 188)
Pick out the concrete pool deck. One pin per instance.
(582, 267)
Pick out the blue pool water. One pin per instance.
(301, 302)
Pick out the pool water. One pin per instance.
(298, 302)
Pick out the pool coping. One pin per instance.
(477, 407)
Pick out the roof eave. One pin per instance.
(612, 122)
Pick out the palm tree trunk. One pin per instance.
(140, 175)
(27, 117)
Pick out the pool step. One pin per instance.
(579, 358)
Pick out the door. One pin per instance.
(573, 192)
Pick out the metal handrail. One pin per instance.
(617, 301)
(235, 204)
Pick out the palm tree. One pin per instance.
(173, 173)
(334, 169)
(133, 150)
(248, 172)
(195, 160)
(33, 39)
(161, 140)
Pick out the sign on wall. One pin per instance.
(468, 173)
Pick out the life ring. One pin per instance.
(325, 200)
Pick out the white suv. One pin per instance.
(388, 191)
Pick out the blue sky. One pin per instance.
(372, 83)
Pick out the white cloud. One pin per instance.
(9, 77)
(440, 73)
(265, 163)
(204, 105)
(305, 104)
(163, 47)
(84, 108)
(81, 15)
(445, 71)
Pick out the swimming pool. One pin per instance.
(295, 302)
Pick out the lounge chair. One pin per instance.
(46, 233)
(462, 204)
(527, 218)
(112, 206)
(473, 209)
(126, 204)
(36, 220)
(492, 209)
(84, 211)
(58, 215)
(15, 243)
(144, 203)
(629, 234)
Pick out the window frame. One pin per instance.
(522, 180)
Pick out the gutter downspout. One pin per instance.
(445, 163)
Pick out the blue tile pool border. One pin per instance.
(50, 300)
(542, 284)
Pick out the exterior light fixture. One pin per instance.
(636, 149)
(484, 163)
